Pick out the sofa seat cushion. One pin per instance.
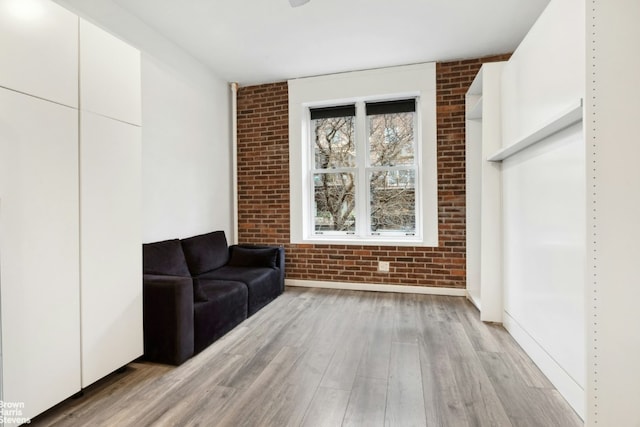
(165, 257)
(225, 307)
(263, 283)
(205, 252)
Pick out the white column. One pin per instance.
(613, 212)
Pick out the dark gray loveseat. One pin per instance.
(197, 289)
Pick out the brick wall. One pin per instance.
(263, 192)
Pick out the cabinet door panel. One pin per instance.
(38, 38)
(111, 245)
(39, 251)
(109, 75)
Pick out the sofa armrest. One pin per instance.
(280, 258)
(168, 318)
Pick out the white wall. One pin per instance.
(186, 131)
(186, 154)
(544, 190)
(613, 204)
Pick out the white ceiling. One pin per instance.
(256, 41)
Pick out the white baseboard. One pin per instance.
(377, 287)
(572, 391)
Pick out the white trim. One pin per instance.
(570, 116)
(373, 287)
(566, 385)
(234, 158)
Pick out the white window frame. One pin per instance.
(362, 170)
(413, 81)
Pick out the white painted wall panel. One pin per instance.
(473, 147)
(39, 253)
(544, 251)
(111, 278)
(545, 74)
(109, 75)
(38, 37)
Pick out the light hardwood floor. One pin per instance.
(318, 357)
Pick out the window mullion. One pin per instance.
(310, 184)
(362, 211)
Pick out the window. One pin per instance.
(335, 170)
(362, 158)
(364, 183)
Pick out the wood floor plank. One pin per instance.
(184, 394)
(267, 326)
(344, 364)
(335, 357)
(477, 331)
(265, 344)
(529, 372)
(299, 388)
(444, 405)
(113, 393)
(405, 399)
(561, 409)
(405, 326)
(481, 403)
(200, 409)
(526, 406)
(441, 308)
(255, 406)
(366, 403)
(377, 352)
(72, 411)
(327, 408)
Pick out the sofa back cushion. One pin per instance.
(164, 257)
(206, 252)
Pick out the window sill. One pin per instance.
(356, 241)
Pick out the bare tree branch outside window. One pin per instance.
(392, 188)
(335, 191)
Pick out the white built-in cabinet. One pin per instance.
(70, 172)
(39, 251)
(111, 276)
(109, 75)
(39, 50)
(483, 195)
(110, 203)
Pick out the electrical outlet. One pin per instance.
(383, 266)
